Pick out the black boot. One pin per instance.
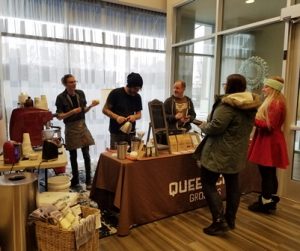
(230, 222)
(275, 200)
(259, 207)
(75, 177)
(218, 227)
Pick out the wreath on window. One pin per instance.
(255, 70)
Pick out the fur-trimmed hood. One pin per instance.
(242, 100)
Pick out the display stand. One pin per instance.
(158, 125)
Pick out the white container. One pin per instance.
(37, 102)
(22, 97)
(59, 183)
(26, 145)
(44, 103)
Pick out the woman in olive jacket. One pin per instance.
(224, 150)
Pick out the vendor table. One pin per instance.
(153, 188)
(37, 164)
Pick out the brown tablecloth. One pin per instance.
(150, 189)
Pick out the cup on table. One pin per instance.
(122, 150)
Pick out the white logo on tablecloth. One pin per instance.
(190, 185)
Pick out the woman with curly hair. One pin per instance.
(268, 148)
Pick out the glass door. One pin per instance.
(290, 184)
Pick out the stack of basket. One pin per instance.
(54, 238)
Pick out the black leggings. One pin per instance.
(269, 182)
(213, 198)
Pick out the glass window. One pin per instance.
(36, 66)
(195, 19)
(194, 65)
(253, 53)
(249, 12)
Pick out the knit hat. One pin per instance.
(276, 85)
(134, 80)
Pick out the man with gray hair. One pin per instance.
(179, 109)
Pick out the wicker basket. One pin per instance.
(53, 238)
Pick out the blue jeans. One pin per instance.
(214, 199)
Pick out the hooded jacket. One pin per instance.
(227, 130)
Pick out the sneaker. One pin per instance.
(216, 228)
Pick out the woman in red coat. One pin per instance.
(268, 148)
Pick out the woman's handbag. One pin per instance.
(197, 153)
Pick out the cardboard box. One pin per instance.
(181, 142)
(195, 137)
(188, 142)
(173, 143)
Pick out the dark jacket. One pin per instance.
(227, 130)
(170, 112)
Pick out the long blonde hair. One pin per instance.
(274, 96)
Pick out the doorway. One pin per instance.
(290, 182)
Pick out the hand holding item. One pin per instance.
(121, 119)
(95, 102)
(179, 116)
(185, 119)
(131, 118)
